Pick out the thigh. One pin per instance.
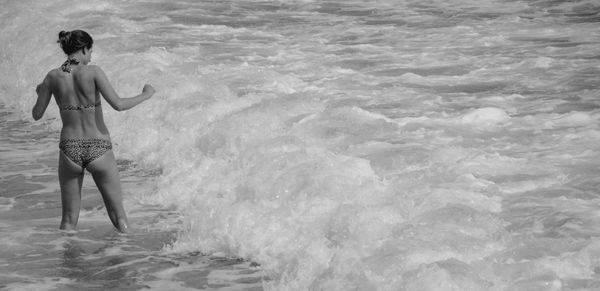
(68, 168)
(106, 175)
(70, 177)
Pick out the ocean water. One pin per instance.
(316, 145)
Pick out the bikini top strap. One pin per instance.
(79, 107)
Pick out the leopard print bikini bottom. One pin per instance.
(83, 151)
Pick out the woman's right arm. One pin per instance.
(116, 102)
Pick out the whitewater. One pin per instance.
(326, 145)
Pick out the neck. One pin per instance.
(66, 66)
(77, 58)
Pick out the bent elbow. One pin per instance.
(118, 106)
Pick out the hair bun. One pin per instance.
(72, 41)
(63, 36)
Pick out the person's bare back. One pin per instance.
(84, 141)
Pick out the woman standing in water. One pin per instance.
(84, 139)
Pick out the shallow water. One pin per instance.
(36, 256)
(341, 145)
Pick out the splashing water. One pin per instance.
(353, 145)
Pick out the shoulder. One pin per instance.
(52, 75)
(97, 73)
(95, 70)
(88, 72)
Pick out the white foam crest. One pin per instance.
(6, 203)
(278, 188)
(484, 117)
(573, 119)
(303, 210)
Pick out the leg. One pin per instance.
(106, 175)
(70, 177)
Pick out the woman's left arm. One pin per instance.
(44, 94)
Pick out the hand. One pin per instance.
(148, 89)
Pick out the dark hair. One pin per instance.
(72, 41)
